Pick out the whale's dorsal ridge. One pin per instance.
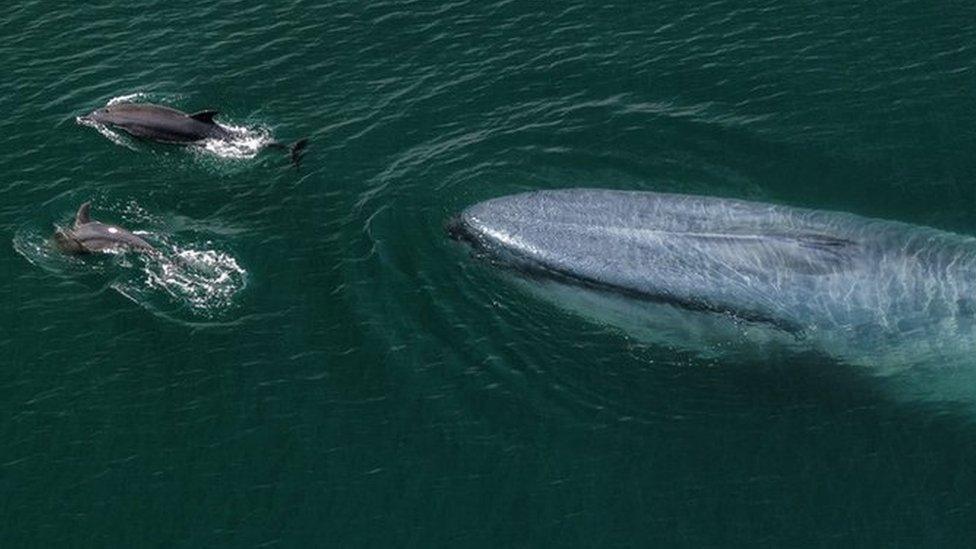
(84, 214)
(205, 116)
(755, 251)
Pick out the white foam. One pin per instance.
(128, 98)
(243, 143)
(112, 135)
(205, 280)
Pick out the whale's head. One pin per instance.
(554, 232)
(492, 228)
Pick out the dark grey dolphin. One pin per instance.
(168, 125)
(88, 236)
(851, 286)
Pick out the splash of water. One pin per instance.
(127, 98)
(185, 282)
(244, 143)
(111, 135)
(205, 280)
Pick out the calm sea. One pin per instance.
(333, 371)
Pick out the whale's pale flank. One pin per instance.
(168, 125)
(860, 289)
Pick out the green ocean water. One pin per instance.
(335, 371)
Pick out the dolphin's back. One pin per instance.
(158, 122)
(96, 236)
(795, 268)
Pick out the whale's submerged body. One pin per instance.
(864, 290)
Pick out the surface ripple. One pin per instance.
(336, 371)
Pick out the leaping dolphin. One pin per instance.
(168, 125)
(88, 236)
(861, 289)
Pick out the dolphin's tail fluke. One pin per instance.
(297, 148)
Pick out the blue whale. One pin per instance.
(865, 290)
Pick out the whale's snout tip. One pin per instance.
(462, 228)
(456, 229)
(489, 226)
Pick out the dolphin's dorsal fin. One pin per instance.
(204, 116)
(83, 216)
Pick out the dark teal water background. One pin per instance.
(363, 382)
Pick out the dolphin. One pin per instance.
(864, 290)
(168, 125)
(88, 236)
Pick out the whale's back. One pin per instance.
(798, 269)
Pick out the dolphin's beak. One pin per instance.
(93, 117)
(61, 241)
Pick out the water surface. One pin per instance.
(340, 373)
